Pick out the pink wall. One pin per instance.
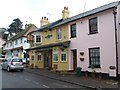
(105, 39)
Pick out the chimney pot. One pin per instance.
(44, 17)
(64, 8)
(65, 13)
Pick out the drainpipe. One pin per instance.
(115, 25)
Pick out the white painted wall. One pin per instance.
(24, 44)
(105, 39)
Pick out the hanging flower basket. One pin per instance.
(81, 59)
(82, 53)
(112, 67)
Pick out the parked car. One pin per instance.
(2, 60)
(13, 64)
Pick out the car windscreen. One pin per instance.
(17, 60)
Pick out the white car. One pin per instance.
(13, 64)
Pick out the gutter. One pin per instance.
(115, 25)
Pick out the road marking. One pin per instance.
(61, 85)
(26, 79)
(45, 86)
(35, 82)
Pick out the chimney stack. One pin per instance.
(44, 21)
(65, 13)
(26, 26)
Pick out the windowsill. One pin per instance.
(72, 37)
(39, 60)
(55, 61)
(63, 61)
(37, 42)
(93, 33)
(95, 66)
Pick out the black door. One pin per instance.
(74, 59)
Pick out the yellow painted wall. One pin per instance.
(53, 32)
(40, 64)
(30, 57)
(62, 65)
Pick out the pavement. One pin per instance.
(90, 82)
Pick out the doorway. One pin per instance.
(48, 59)
(74, 58)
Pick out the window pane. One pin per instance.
(55, 57)
(38, 38)
(59, 34)
(93, 25)
(73, 30)
(63, 57)
(94, 56)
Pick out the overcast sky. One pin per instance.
(31, 11)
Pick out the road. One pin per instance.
(16, 79)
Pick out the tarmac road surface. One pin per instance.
(16, 79)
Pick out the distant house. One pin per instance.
(1, 42)
(16, 45)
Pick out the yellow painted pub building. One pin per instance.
(49, 44)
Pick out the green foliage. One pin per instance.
(3, 35)
(15, 26)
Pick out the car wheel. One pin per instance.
(21, 70)
(8, 69)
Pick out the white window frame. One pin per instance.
(59, 34)
(40, 56)
(36, 37)
(10, 43)
(16, 42)
(21, 40)
(55, 53)
(64, 52)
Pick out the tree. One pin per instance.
(3, 33)
(15, 26)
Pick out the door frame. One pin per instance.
(74, 58)
(48, 55)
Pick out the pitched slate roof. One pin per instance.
(79, 16)
(91, 12)
(82, 15)
(21, 33)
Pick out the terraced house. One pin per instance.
(49, 44)
(90, 40)
(15, 46)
